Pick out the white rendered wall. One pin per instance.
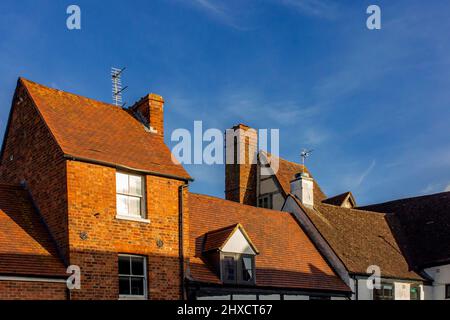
(441, 277)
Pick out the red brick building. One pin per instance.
(90, 184)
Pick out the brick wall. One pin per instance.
(92, 210)
(31, 154)
(22, 290)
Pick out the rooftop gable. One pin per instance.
(231, 239)
(345, 199)
(286, 173)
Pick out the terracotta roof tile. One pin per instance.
(25, 245)
(89, 129)
(287, 258)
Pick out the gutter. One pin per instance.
(32, 279)
(181, 239)
(119, 166)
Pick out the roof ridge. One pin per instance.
(356, 210)
(25, 80)
(279, 157)
(405, 199)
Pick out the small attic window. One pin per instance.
(233, 254)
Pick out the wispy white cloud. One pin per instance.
(219, 11)
(364, 175)
(318, 8)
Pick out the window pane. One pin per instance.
(121, 183)
(124, 285)
(135, 185)
(247, 269)
(137, 286)
(137, 266)
(124, 265)
(134, 208)
(229, 269)
(122, 204)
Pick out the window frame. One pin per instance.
(238, 268)
(383, 296)
(268, 198)
(447, 291)
(145, 277)
(143, 198)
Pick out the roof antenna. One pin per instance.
(117, 86)
(305, 154)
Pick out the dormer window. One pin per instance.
(233, 255)
(130, 195)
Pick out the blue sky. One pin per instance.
(374, 105)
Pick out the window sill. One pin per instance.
(135, 219)
(132, 298)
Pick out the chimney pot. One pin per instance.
(302, 187)
(150, 111)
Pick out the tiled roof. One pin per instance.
(360, 239)
(422, 225)
(25, 245)
(287, 258)
(88, 129)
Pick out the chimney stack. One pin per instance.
(241, 144)
(150, 111)
(302, 187)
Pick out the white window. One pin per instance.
(130, 195)
(132, 277)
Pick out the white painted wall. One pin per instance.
(441, 277)
(364, 293)
(402, 291)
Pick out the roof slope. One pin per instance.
(25, 245)
(93, 130)
(360, 239)
(287, 258)
(422, 226)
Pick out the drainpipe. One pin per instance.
(181, 238)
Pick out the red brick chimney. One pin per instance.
(150, 111)
(240, 168)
